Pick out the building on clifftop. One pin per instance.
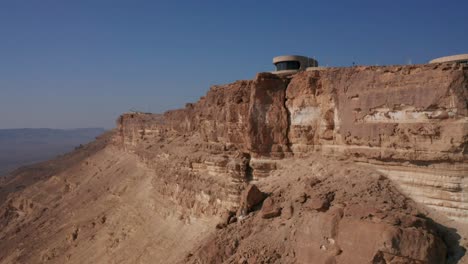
(459, 59)
(293, 63)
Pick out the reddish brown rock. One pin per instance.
(268, 118)
(407, 122)
(269, 209)
(226, 218)
(412, 116)
(287, 212)
(250, 198)
(414, 244)
(318, 203)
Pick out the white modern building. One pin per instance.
(459, 59)
(293, 63)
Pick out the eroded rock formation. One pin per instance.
(325, 148)
(409, 122)
(326, 213)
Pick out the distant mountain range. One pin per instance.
(20, 147)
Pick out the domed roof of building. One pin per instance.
(453, 58)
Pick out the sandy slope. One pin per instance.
(101, 204)
(100, 210)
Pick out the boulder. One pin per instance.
(226, 219)
(320, 203)
(269, 209)
(250, 197)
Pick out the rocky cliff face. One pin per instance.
(409, 122)
(310, 168)
(323, 211)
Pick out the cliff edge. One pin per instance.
(408, 122)
(338, 165)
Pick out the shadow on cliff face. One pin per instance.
(451, 238)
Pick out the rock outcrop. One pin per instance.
(409, 122)
(332, 214)
(316, 167)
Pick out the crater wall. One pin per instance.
(409, 122)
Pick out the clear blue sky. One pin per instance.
(67, 64)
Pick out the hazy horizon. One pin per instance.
(81, 64)
(21, 147)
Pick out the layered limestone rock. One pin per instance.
(188, 167)
(409, 122)
(159, 184)
(324, 211)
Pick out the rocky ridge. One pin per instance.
(408, 122)
(316, 167)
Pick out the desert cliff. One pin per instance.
(352, 165)
(409, 122)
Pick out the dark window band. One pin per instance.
(287, 65)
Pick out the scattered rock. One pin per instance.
(318, 203)
(287, 212)
(74, 235)
(220, 226)
(250, 197)
(269, 209)
(232, 220)
(226, 217)
(302, 198)
(314, 181)
(321, 202)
